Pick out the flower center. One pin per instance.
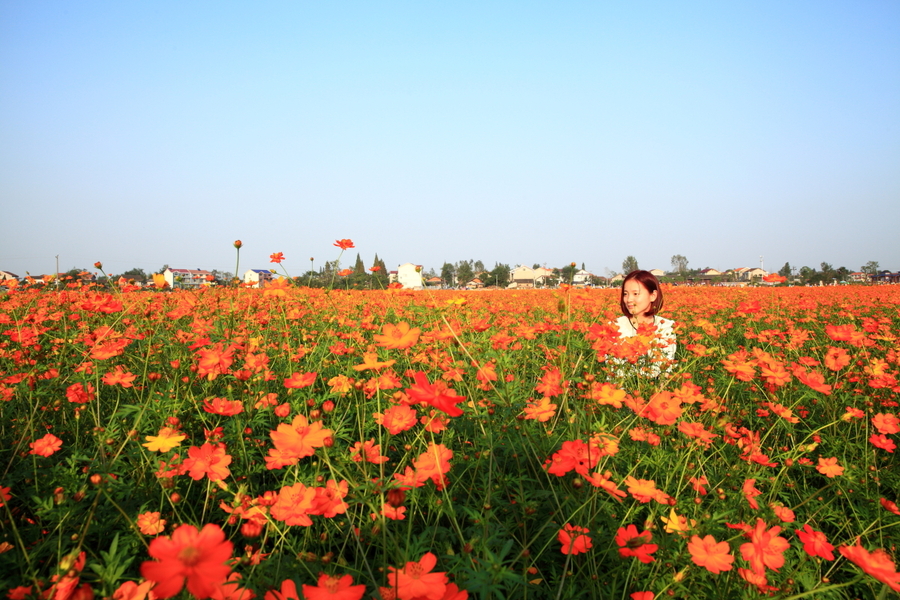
(189, 555)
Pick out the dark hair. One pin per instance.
(651, 284)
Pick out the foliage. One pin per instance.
(779, 413)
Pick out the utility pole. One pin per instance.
(56, 277)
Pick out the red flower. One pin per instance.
(344, 244)
(437, 395)
(883, 442)
(887, 504)
(276, 257)
(815, 543)
(877, 564)
(46, 446)
(210, 460)
(765, 548)
(415, 580)
(574, 539)
(300, 380)
(632, 543)
(197, 558)
(332, 587)
(714, 556)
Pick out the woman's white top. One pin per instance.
(665, 333)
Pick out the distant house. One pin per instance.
(860, 276)
(657, 272)
(522, 277)
(4, 275)
(434, 282)
(410, 276)
(710, 272)
(616, 277)
(475, 284)
(582, 277)
(754, 272)
(258, 277)
(542, 275)
(186, 278)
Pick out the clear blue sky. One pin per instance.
(144, 133)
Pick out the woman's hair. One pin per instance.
(651, 284)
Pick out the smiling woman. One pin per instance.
(641, 301)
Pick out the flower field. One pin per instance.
(295, 443)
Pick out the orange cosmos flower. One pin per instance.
(345, 272)
(437, 395)
(887, 504)
(159, 280)
(605, 483)
(551, 383)
(370, 451)
(644, 490)
(333, 587)
(119, 377)
(396, 419)
(294, 504)
(149, 523)
(574, 539)
(663, 409)
(765, 548)
(46, 446)
(197, 558)
(300, 380)
(829, 467)
(300, 438)
(397, 336)
(415, 580)
(129, 590)
(344, 244)
(815, 543)
(886, 423)
(210, 460)
(223, 407)
(878, 564)
(836, 358)
(370, 361)
(542, 410)
(713, 556)
(288, 591)
(632, 543)
(750, 493)
(276, 257)
(883, 442)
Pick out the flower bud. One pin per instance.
(238, 244)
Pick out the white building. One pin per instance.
(410, 276)
(257, 277)
(186, 278)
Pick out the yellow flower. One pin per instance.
(167, 439)
(677, 524)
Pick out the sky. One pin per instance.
(141, 134)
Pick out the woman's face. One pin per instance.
(637, 298)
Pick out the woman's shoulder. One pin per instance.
(665, 324)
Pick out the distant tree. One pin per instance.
(464, 272)
(629, 264)
(448, 274)
(827, 274)
(222, 275)
(499, 275)
(379, 276)
(842, 273)
(359, 268)
(808, 275)
(870, 268)
(162, 269)
(679, 264)
(478, 267)
(785, 271)
(136, 274)
(535, 266)
(567, 273)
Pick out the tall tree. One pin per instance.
(499, 275)
(448, 274)
(870, 268)
(629, 264)
(478, 267)
(679, 264)
(359, 268)
(785, 271)
(464, 272)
